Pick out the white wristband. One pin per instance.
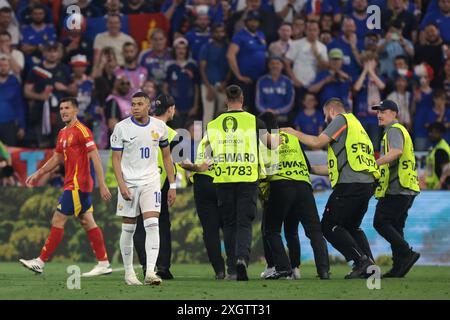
(173, 185)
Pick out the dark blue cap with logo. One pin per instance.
(386, 105)
(253, 15)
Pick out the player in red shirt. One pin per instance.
(75, 147)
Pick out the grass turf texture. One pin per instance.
(196, 282)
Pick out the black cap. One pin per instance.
(163, 102)
(253, 15)
(386, 105)
(51, 45)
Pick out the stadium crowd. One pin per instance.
(289, 56)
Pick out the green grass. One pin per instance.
(195, 282)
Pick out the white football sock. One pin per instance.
(126, 246)
(151, 226)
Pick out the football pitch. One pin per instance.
(196, 282)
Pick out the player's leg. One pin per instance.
(139, 243)
(128, 211)
(56, 234)
(150, 204)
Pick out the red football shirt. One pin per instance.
(75, 143)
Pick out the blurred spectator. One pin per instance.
(403, 98)
(288, 9)
(396, 9)
(215, 73)
(298, 28)
(320, 7)
(326, 22)
(174, 11)
(182, 83)
(77, 42)
(326, 38)
(44, 86)
(269, 21)
(198, 35)
(16, 58)
(308, 56)
(7, 177)
(138, 6)
(35, 35)
(112, 7)
(423, 98)
(439, 112)
(84, 85)
(446, 81)
(12, 106)
(150, 89)
(430, 50)
(438, 158)
(368, 89)
(371, 42)
(247, 56)
(441, 18)
(359, 14)
(118, 106)
(393, 45)
(275, 91)
(220, 12)
(7, 24)
(113, 37)
(25, 14)
(131, 70)
(281, 46)
(309, 120)
(106, 67)
(334, 82)
(348, 43)
(156, 58)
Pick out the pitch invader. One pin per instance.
(135, 142)
(75, 147)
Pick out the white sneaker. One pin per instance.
(35, 265)
(99, 269)
(132, 280)
(152, 279)
(267, 272)
(295, 274)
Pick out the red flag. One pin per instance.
(141, 26)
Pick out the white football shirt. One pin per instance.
(139, 145)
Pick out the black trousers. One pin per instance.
(293, 202)
(206, 203)
(237, 208)
(342, 218)
(389, 221)
(8, 133)
(165, 240)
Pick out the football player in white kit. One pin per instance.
(135, 142)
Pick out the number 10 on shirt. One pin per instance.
(145, 153)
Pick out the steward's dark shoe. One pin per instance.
(220, 275)
(324, 275)
(406, 262)
(144, 271)
(241, 270)
(360, 268)
(275, 275)
(164, 274)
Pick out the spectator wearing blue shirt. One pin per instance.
(359, 14)
(84, 85)
(215, 73)
(319, 7)
(182, 83)
(439, 113)
(247, 57)
(348, 43)
(393, 45)
(275, 91)
(309, 120)
(12, 105)
(25, 12)
(333, 83)
(368, 89)
(441, 18)
(174, 11)
(35, 35)
(156, 58)
(423, 97)
(199, 35)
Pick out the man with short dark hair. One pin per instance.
(135, 73)
(352, 171)
(233, 137)
(398, 186)
(7, 25)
